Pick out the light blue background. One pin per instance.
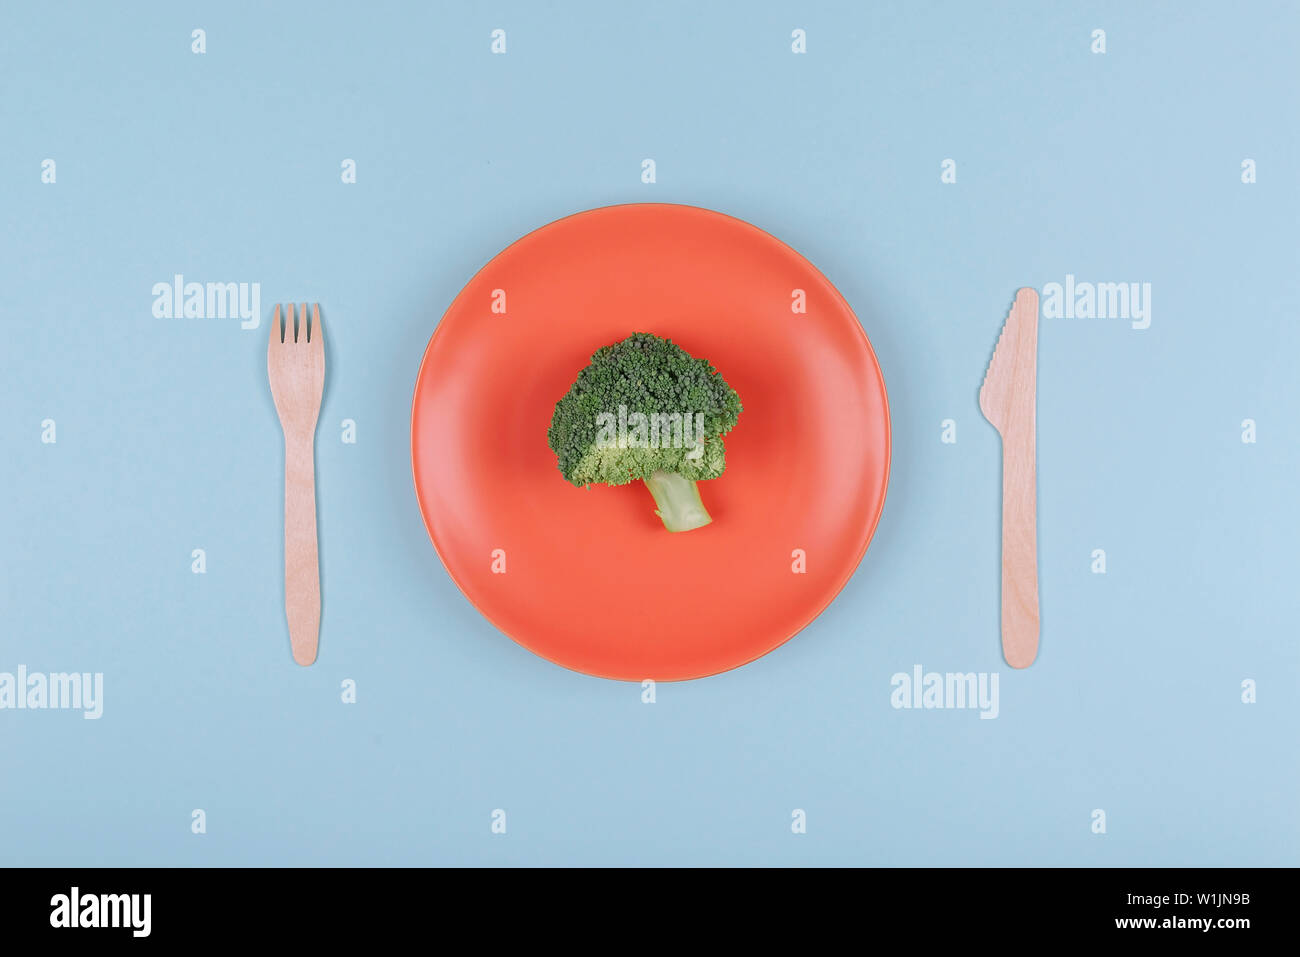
(225, 167)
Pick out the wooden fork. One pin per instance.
(295, 361)
(1007, 399)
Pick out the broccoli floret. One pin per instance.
(647, 409)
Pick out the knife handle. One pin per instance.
(1019, 549)
(301, 561)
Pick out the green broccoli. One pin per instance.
(646, 409)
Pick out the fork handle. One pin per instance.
(301, 562)
(1019, 548)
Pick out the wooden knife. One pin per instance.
(1008, 398)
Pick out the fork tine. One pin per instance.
(317, 336)
(291, 324)
(277, 335)
(305, 333)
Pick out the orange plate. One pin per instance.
(593, 581)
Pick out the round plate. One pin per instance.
(590, 578)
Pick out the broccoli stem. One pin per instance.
(679, 502)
